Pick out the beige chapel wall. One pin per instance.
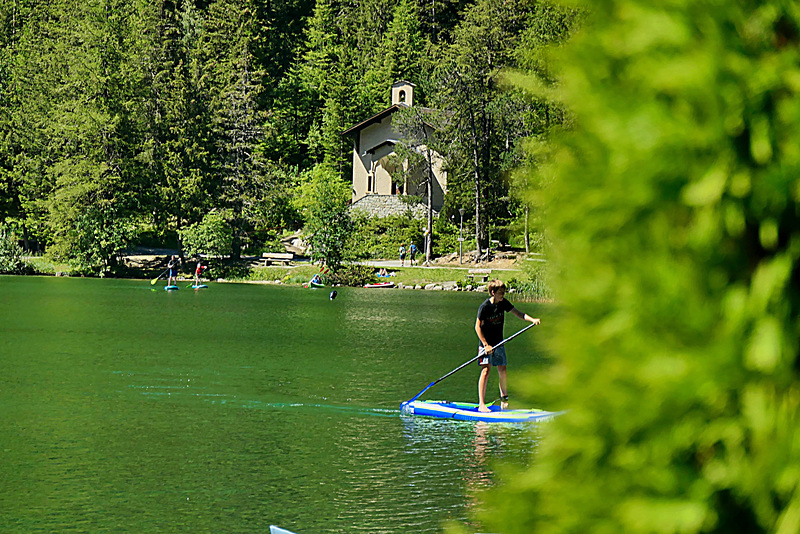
(416, 183)
(359, 176)
(372, 135)
(441, 177)
(384, 181)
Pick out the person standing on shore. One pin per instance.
(489, 327)
(402, 255)
(412, 253)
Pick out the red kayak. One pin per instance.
(381, 284)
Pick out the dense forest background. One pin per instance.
(143, 122)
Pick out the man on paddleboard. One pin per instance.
(489, 327)
(174, 262)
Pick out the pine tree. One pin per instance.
(468, 89)
(78, 124)
(234, 32)
(403, 45)
(176, 163)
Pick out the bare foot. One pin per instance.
(504, 406)
(483, 408)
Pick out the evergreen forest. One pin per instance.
(216, 125)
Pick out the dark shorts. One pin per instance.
(173, 271)
(496, 358)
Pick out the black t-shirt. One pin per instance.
(492, 316)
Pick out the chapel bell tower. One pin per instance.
(403, 93)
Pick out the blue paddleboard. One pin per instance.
(201, 286)
(466, 411)
(171, 288)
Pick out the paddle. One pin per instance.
(157, 278)
(480, 353)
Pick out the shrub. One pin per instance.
(91, 239)
(353, 275)
(324, 198)
(535, 286)
(213, 236)
(229, 269)
(381, 237)
(11, 260)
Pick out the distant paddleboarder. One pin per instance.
(174, 262)
(198, 273)
(489, 327)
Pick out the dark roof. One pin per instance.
(378, 117)
(374, 149)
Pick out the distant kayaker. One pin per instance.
(489, 327)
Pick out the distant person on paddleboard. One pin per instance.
(489, 327)
(174, 262)
(198, 273)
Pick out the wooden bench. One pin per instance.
(481, 275)
(283, 258)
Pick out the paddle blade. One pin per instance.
(153, 281)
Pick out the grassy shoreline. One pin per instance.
(299, 274)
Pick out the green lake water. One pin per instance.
(126, 408)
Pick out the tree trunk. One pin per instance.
(477, 206)
(527, 234)
(429, 237)
(25, 241)
(477, 179)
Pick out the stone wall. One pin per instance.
(386, 205)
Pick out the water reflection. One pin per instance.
(469, 449)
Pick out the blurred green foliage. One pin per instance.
(93, 240)
(672, 206)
